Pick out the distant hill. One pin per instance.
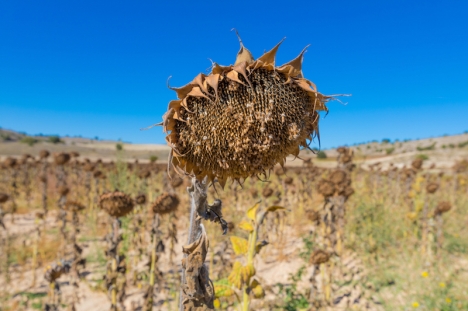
(14, 143)
(443, 151)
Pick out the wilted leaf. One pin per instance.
(217, 303)
(235, 276)
(257, 289)
(246, 225)
(252, 212)
(274, 208)
(247, 272)
(260, 245)
(240, 245)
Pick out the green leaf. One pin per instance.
(240, 245)
(223, 289)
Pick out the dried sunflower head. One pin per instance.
(267, 192)
(74, 206)
(56, 270)
(165, 203)
(61, 158)
(140, 199)
(3, 197)
(319, 256)
(241, 120)
(63, 190)
(338, 176)
(10, 162)
(443, 207)
(326, 188)
(432, 187)
(144, 174)
(288, 180)
(417, 164)
(116, 204)
(43, 154)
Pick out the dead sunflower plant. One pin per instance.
(238, 121)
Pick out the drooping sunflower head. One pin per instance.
(241, 120)
(116, 204)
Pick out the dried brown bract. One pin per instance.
(319, 257)
(241, 120)
(116, 204)
(61, 158)
(165, 203)
(74, 206)
(288, 180)
(443, 207)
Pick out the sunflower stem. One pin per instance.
(198, 202)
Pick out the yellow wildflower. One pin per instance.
(424, 274)
(448, 300)
(442, 284)
(415, 304)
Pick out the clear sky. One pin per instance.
(99, 68)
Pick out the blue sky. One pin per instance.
(99, 68)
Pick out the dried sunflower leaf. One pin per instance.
(275, 208)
